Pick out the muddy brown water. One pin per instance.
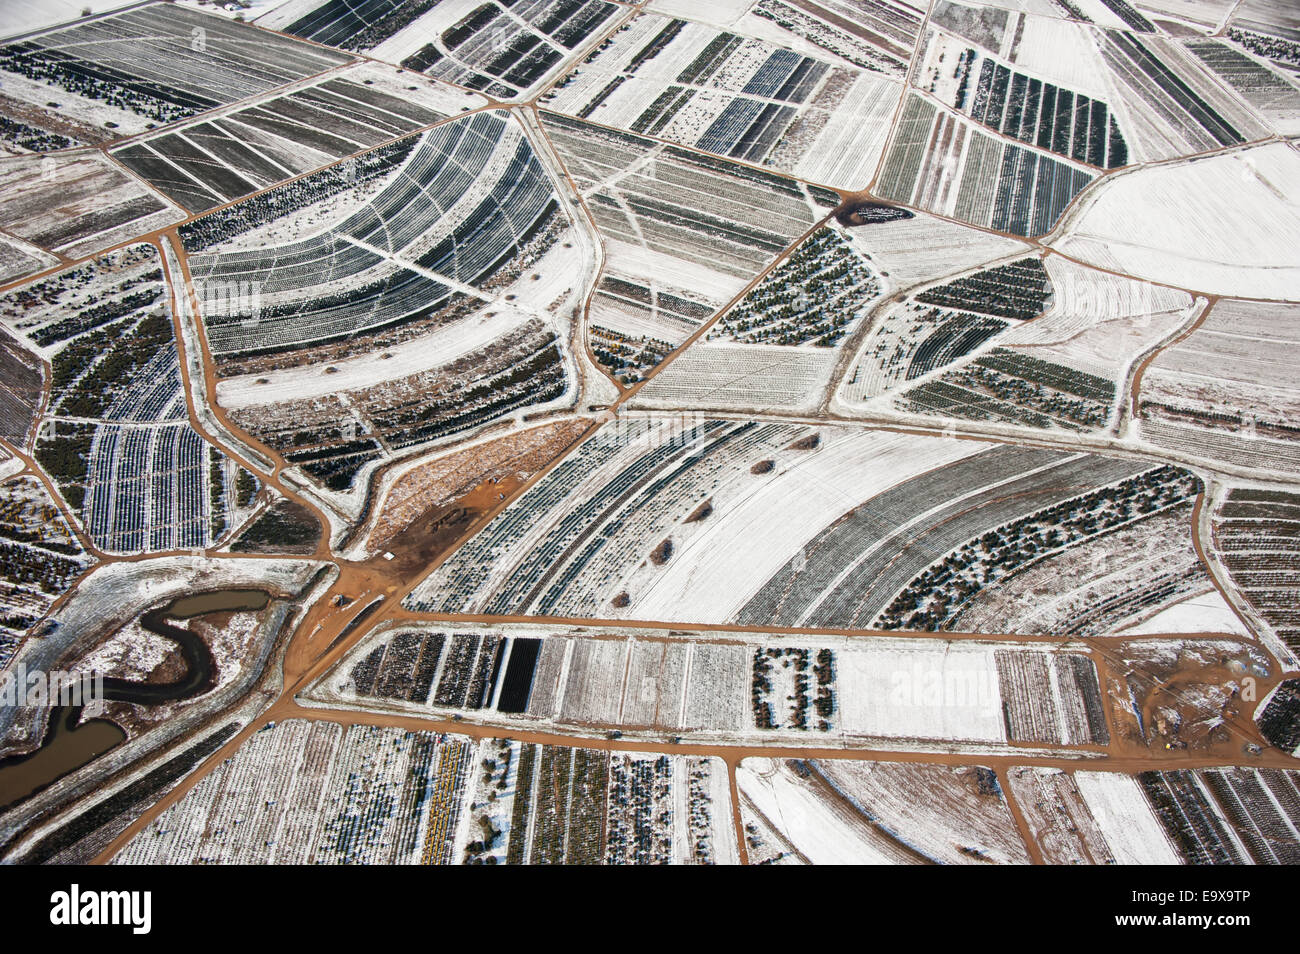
(68, 746)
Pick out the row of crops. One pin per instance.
(1043, 114)
(1227, 816)
(334, 436)
(301, 792)
(116, 437)
(544, 804)
(551, 560)
(1257, 538)
(996, 185)
(1015, 388)
(815, 296)
(147, 60)
(40, 558)
(208, 164)
(315, 792)
(896, 536)
(935, 596)
(504, 53)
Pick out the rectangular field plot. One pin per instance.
(22, 378)
(232, 154)
(949, 166)
(546, 804)
(1059, 819)
(1021, 106)
(717, 375)
(301, 792)
(830, 690)
(734, 96)
(315, 792)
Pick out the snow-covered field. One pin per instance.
(1125, 818)
(847, 812)
(22, 16)
(1224, 225)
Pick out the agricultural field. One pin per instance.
(1065, 370)
(1180, 106)
(1228, 816)
(908, 248)
(98, 204)
(641, 522)
(682, 232)
(656, 432)
(1226, 392)
(431, 318)
(1220, 225)
(816, 296)
(543, 804)
(950, 166)
(115, 434)
(1277, 100)
(1255, 536)
(839, 811)
(874, 35)
(930, 330)
(20, 259)
(775, 347)
(146, 66)
(831, 690)
(1141, 576)
(735, 96)
(306, 792)
(42, 558)
(22, 377)
(240, 151)
(502, 49)
(302, 792)
(1020, 106)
